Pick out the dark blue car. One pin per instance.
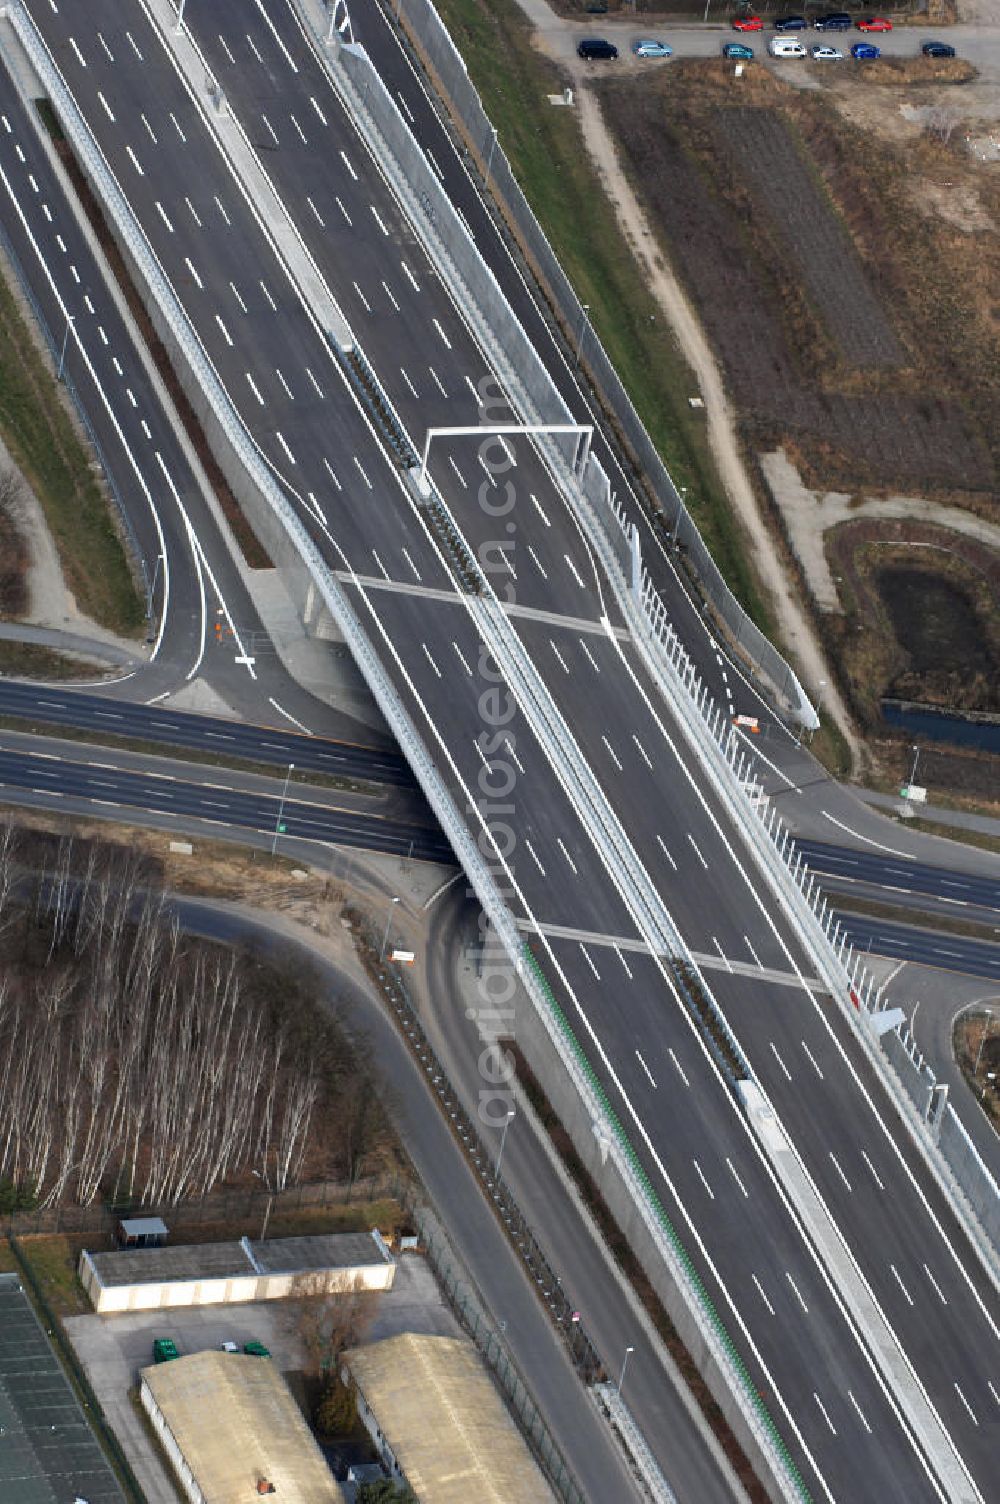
(865, 51)
(790, 23)
(834, 20)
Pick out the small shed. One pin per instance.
(141, 1232)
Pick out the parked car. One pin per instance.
(786, 47)
(164, 1348)
(256, 1350)
(790, 23)
(592, 48)
(827, 54)
(874, 23)
(938, 49)
(230, 1347)
(652, 49)
(738, 50)
(834, 20)
(865, 51)
(748, 23)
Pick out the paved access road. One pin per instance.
(595, 709)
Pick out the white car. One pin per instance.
(827, 54)
(229, 1347)
(786, 47)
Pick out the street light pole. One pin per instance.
(621, 1376)
(503, 1140)
(281, 808)
(180, 16)
(489, 160)
(916, 759)
(152, 587)
(70, 321)
(267, 1209)
(986, 1035)
(385, 937)
(583, 331)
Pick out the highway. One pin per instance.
(192, 577)
(814, 1368)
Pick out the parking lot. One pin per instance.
(113, 1349)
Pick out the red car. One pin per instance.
(748, 23)
(874, 23)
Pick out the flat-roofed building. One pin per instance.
(233, 1432)
(201, 1274)
(439, 1423)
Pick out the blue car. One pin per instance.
(865, 51)
(738, 50)
(652, 49)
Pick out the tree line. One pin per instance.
(142, 1065)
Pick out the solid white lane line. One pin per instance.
(678, 1067)
(760, 1292)
(899, 1282)
(645, 1066)
(784, 1067)
(812, 1060)
(277, 37)
(701, 1177)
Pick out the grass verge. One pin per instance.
(546, 150)
(976, 838)
(42, 440)
(32, 660)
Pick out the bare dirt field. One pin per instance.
(847, 279)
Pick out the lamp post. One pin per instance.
(70, 321)
(388, 922)
(916, 758)
(621, 1376)
(281, 808)
(152, 587)
(583, 334)
(503, 1139)
(270, 1199)
(986, 1035)
(489, 159)
(180, 16)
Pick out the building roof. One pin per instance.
(47, 1450)
(445, 1422)
(234, 1420)
(198, 1261)
(143, 1227)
